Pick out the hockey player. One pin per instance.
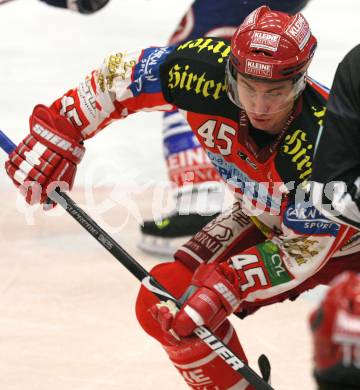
(82, 6)
(336, 172)
(189, 168)
(335, 327)
(257, 114)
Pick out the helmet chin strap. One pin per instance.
(300, 84)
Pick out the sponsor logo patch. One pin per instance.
(309, 221)
(87, 99)
(265, 40)
(118, 65)
(258, 69)
(58, 141)
(146, 71)
(301, 250)
(219, 48)
(299, 31)
(300, 149)
(275, 267)
(183, 79)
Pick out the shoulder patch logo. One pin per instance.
(218, 48)
(300, 149)
(308, 220)
(182, 78)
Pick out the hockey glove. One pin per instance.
(214, 294)
(47, 157)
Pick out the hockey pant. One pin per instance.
(201, 368)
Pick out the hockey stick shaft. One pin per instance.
(145, 278)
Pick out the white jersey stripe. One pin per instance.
(25, 167)
(39, 148)
(32, 157)
(192, 254)
(20, 176)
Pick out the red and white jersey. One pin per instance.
(191, 77)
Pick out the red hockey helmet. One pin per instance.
(271, 46)
(336, 334)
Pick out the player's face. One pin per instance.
(267, 104)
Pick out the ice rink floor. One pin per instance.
(66, 306)
(67, 319)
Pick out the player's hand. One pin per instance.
(47, 157)
(213, 295)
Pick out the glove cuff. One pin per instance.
(213, 277)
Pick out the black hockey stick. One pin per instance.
(145, 278)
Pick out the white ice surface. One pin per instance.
(45, 51)
(66, 307)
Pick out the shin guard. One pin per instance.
(202, 368)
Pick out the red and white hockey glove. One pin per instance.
(214, 294)
(47, 157)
